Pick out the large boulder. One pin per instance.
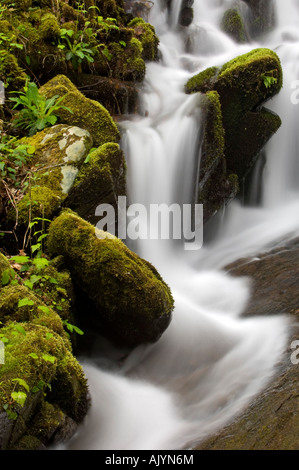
(243, 85)
(85, 113)
(126, 294)
(273, 276)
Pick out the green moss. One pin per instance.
(214, 134)
(202, 82)
(9, 310)
(48, 420)
(233, 25)
(4, 265)
(145, 33)
(28, 443)
(10, 72)
(39, 202)
(27, 357)
(127, 291)
(86, 114)
(49, 28)
(101, 180)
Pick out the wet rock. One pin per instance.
(232, 24)
(274, 280)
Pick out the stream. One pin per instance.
(210, 363)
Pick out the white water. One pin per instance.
(210, 363)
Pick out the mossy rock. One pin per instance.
(243, 84)
(49, 29)
(61, 150)
(86, 114)
(232, 24)
(101, 180)
(38, 356)
(127, 62)
(127, 292)
(40, 201)
(146, 34)
(10, 72)
(38, 313)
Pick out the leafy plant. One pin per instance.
(269, 80)
(37, 112)
(76, 50)
(13, 157)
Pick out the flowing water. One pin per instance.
(210, 362)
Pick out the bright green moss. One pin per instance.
(202, 82)
(40, 358)
(86, 114)
(145, 33)
(39, 313)
(126, 290)
(214, 134)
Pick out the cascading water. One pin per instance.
(209, 363)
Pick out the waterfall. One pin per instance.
(210, 363)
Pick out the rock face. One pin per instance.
(270, 423)
(126, 293)
(243, 85)
(274, 277)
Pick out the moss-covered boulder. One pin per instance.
(233, 25)
(86, 114)
(100, 181)
(128, 295)
(243, 85)
(145, 33)
(38, 367)
(49, 28)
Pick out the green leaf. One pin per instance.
(22, 383)
(20, 329)
(33, 355)
(19, 397)
(40, 263)
(24, 302)
(21, 259)
(44, 309)
(49, 358)
(49, 335)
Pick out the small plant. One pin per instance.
(269, 80)
(37, 111)
(13, 157)
(76, 50)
